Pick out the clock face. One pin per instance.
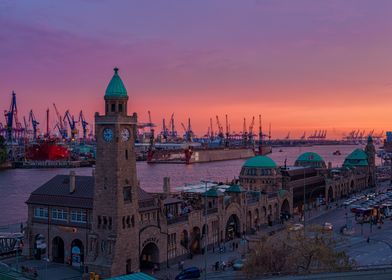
(108, 134)
(125, 134)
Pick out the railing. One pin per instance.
(179, 219)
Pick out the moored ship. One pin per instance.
(199, 154)
(47, 150)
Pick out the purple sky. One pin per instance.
(287, 60)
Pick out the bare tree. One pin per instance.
(291, 252)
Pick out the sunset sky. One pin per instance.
(302, 65)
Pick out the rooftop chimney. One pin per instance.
(166, 185)
(72, 185)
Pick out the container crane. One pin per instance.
(303, 136)
(84, 124)
(34, 123)
(72, 123)
(220, 128)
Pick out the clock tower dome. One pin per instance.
(112, 248)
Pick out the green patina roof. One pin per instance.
(281, 192)
(134, 276)
(234, 189)
(310, 157)
(357, 158)
(116, 87)
(358, 154)
(260, 161)
(213, 192)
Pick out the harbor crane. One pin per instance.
(60, 123)
(84, 124)
(288, 136)
(72, 123)
(244, 132)
(164, 129)
(250, 133)
(11, 116)
(220, 128)
(211, 134)
(303, 136)
(34, 124)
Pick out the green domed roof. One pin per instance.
(357, 158)
(310, 157)
(116, 87)
(213, 192)
(235, 189)
(260, 162)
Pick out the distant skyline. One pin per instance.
(302, 65)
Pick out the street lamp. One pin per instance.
(205, 227)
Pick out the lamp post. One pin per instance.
(304, 213)
(206, 229)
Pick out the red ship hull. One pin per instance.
(47, 151)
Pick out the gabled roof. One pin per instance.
(260, 162)
(55, 192)
(213, 192)
(235, 189)
(116, 87)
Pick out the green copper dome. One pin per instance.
(234, 189)
(260, 162)
(213, 192)
(357, 158)
(116, 87)
(310, 157)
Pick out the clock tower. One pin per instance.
(113, 242)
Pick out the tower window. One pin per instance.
(107, 108)
(113, 107)
(126, 154)
(128, 222)
(127, 194)
(110, 222)
(105, 222)
(133, 220)
(120, 108)
(123, 222)
(99, 221)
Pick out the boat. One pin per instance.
(47, 150)
(198, 154)
(337, 153)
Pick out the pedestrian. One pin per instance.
(216, 265)
(223, 265)
(368, 240)
(233, 246)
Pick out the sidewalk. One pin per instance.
(199, 261)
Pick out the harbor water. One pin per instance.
(17, 184)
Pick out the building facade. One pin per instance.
(108, 224)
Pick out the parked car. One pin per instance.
(296, 227)
(238, 264)
(327, 226)
(189, 273)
